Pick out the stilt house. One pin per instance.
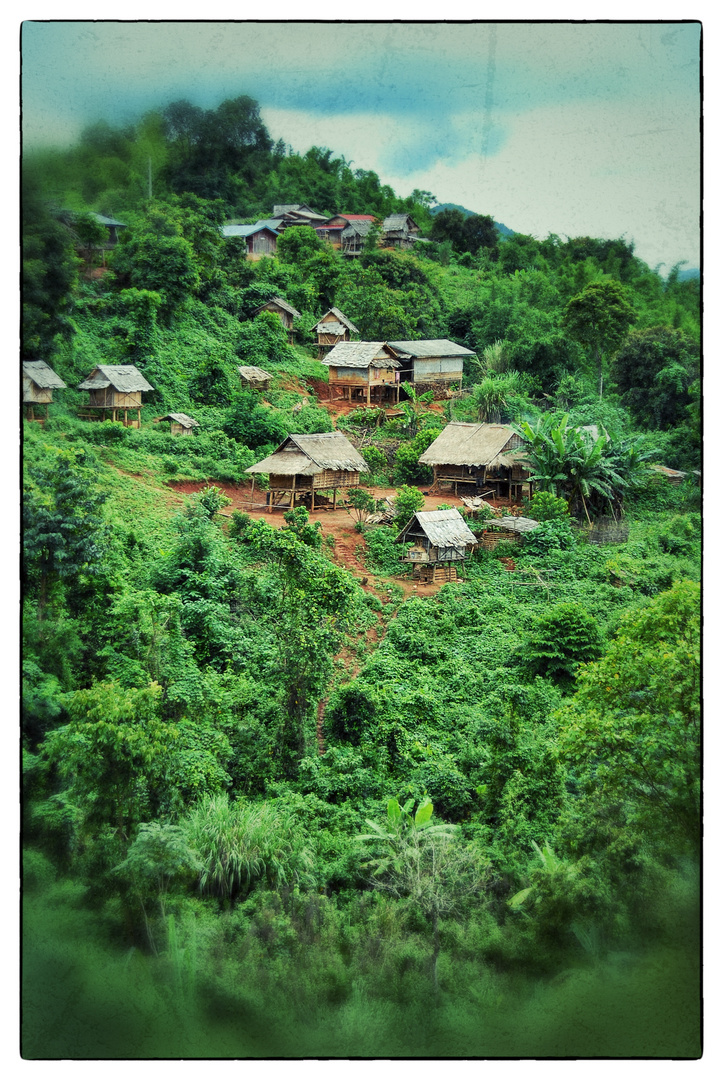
(364, 371)
(115, 391)
(285, 311)
(434, 364)
(489, 458)
(305, 465)
(39, 381)
(180, 423)
(354, 236)
(399, 230)
(442, 540)
(331, 329)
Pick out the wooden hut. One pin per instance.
(115, 391)
(489, 457)
(39, 381)
(364, 371)
(399, 230)
(355, 235)
(306, 464)
(180, 423)
(291, 214)
(260, 238)
(255, 378)
(435, 364)
(285, 311)
(331, 329)
(442, 540)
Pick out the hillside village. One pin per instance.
(361, 616)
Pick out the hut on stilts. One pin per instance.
(39, 381)
(306, 465)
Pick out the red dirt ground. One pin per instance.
(349, 545)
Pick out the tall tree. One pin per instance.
(599, 319)
(654, 371)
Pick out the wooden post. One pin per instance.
(334, 506)
(312, 494)
(369, 393)
(293, 491)
(271, 500)
(253, 481)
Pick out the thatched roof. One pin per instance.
(443, 528)
(306, 455)
(125, 378)
(180, 418)
(399, 222)
(42, 375)
(278, 302)
(361, 354)
(474, 445)
(431, 348)
(513, 524)
(341, 320)
(253, 374)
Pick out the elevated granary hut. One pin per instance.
(433, 364)
(490, 457)
(115, 390)
(285, 311)
(441, 539)
(180, 423)
(305, 464)
(364, 371)
(333, 328)
(39, 381)
(255, 378)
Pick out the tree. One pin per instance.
(559, 641)
(423, 865)
(599, 319)
(632, 730)
(406, 503)
(655, 371)
(154, 256)
(479, 232)
(449, 225)
(63, 529)
(415, 408)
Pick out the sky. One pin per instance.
(557, 127)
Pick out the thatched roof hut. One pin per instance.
(486, 455)
(115, 389)
(181, 424)
(364, 370)
(255, 377)
(332, 328)
(39, 381)
(304, 464)
(440, 537)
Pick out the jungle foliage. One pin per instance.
(496, 853)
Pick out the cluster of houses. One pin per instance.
(346, 233)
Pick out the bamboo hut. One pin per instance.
(39, 381)
(331, 329)
(489, 457)
(399, 230)
(180, 423)
(442, 541)
(286, 313)
(255, 378)
(115, 391)
(305, 465)
(364, 371)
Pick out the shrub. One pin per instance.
(544, 506)
(549, 536)
(406, 503)
(562, 639)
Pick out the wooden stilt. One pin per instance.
(253, 481)
(312, 496)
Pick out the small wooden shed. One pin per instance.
(180, 423)
(489, 457)
(364, 371)
(435, 364)
(306, 464)
(255, 378)
(399, 230)
(39, 381)
(331, 329)
(442, 540)
(115, 391)
(285, 311)
(260, 238)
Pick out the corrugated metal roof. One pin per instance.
(431, 347)
(246, 230)
(308, 454)
(42, 375)
(443, 528)
(360, 354)
(472, 444)
(254, 374)
(124, 378)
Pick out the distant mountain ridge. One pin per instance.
(501, 229)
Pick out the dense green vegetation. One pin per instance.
(496, 854)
